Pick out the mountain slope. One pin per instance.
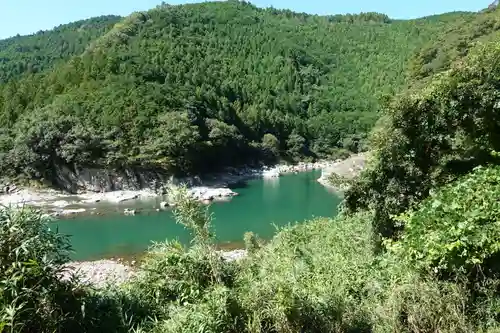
(454, 43)
(195, 87)
(40, 51)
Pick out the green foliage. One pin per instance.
(296, 146)
(193, 88)
(35, 298)
(252, 243)
(36, 53)
(32, 297)
(182, 282)
(214, 314)
(271, 146)
(462, 32)
(431, 136)
(172, 273)
(455, 231)
(310, 279)
(404, 301)
(320, 276)
(339, 182)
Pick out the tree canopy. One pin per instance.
(41, 51)
(195, 87)
(431, 136)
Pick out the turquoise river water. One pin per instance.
(262, 205)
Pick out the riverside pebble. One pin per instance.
(102, 273)
(99, 273)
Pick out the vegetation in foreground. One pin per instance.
(321, 276)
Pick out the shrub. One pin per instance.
(216, 312)
(339, 154)
(176, 279)
(33, 297)
(456, 231)
(400, 300)
(310, 278)
(339, 182)
(252, 242)
(271, 146)
(172, 273)
(323, 276)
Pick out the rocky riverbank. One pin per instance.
(346, 169)
(212, 187)
(101, 273)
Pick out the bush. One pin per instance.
(339, 154)
(320, 276)
(400, 300)
(33, 297)
(323, 276)
(216, 312)
(181, 282)
(455, 232)
(271, 146)
(310, 278)
(171, 273)
(339, 182)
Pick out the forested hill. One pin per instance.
(454, 42)
(194, 87)
(40, 51)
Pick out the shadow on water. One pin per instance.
(239, 184)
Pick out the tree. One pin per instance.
(271, 145)
(296, 146)
(432, 136)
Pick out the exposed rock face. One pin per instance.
(79, 180)
(92, 185)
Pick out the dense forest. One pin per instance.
(42, 51)
(195, 87)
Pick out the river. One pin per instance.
(261, 206)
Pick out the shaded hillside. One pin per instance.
(195, 87)
(455, 42)
(40, 51)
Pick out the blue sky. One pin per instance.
(28, 16)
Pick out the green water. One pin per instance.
(260, 206)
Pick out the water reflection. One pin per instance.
(270, 189)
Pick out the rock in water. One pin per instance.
(273, 173)
(128, 211)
